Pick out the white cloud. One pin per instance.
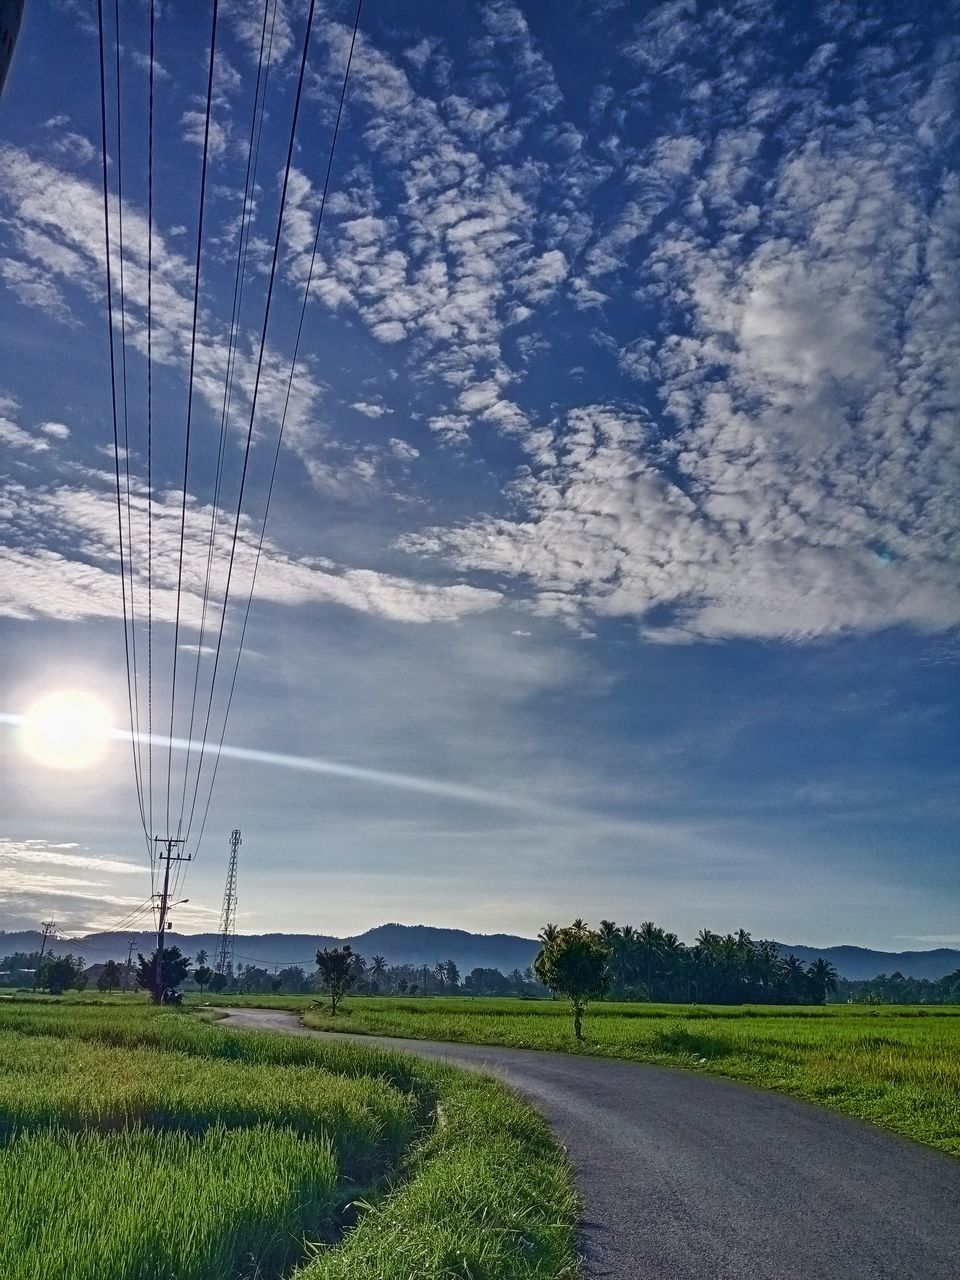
(58, 430)
(80, 578)
(370, 408)
(402, 449)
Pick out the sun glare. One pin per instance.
(67, 730)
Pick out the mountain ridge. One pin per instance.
(426, 944)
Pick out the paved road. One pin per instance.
(688, 1177)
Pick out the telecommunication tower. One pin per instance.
(228, 915)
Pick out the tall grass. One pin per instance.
(146, 1144)
(139, 1205)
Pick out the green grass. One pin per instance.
(894, 1066)
(144, 1144)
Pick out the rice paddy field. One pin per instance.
(896, 1066)
(146, 1144)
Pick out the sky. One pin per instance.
(611, 568)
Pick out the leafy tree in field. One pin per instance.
(576, 964)
(337, 971)
(174, 968)
(486, 982)
(57, 973)
(202, 975)
(111, 976)
(294, 980)
(276, 985)
(217, 982)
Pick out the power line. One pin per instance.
(256, 389)
(246, 220)
(153, 884)
(283, 419)
(138, 764)
(113, 397)
(193, 353)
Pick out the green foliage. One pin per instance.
(174, 968)
(57, 973)
(575, 964)
(111, 976)
(202, 976)
(240, 1153)
(338, 971)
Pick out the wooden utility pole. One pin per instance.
(166, 857)
(48, 928)
(126, 977)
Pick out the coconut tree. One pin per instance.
(822, 978)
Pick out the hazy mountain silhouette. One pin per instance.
(424, 944)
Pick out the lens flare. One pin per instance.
(66, 729)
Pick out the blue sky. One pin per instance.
(616, 504)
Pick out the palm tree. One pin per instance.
(795, 976)
(823, 978)
(440, 972)
(579, 924)
(608, 931)
(548, 933)
(201, 959)
(378, 969)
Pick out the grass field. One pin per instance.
(142, 1144)
(892, 1065)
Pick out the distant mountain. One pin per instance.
(858, 963)
(397, 943)
(423, 944)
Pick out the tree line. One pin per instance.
(644, 963)
(650, 963)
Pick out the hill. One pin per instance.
(424, 944)
(857, 963)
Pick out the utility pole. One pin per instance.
(126, 977)
(48, 928)
(172, 851)
(228, 914)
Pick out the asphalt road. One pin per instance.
(685, 1176)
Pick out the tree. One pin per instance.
(201, 958)
(822, 977)
(202, 975)
(174, 968)
(440, 972)
(337, 971)
(218, 982)
(57, 973)
(378, 968)
(111, 976)
(294, 980)
(575, 965)
(452, 973)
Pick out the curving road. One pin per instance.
(689, 1177)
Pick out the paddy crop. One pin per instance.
(141, 1144)
(894, 1066)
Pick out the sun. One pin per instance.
(67, 729)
